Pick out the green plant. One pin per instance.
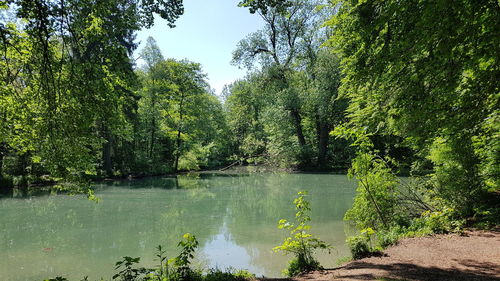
(361, 246)
(228, 275)
(183, 261)
(375, 201)
(389, 237)
(128, 272)
(438, 221)
(300, 243)
(163, 268)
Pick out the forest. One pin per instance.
(375, 89)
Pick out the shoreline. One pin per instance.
(473, 255)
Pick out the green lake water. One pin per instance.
(234, 217)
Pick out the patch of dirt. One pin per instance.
(472, 256)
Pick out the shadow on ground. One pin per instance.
(406, 271)
(403, 272)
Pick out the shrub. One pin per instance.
(375, 202)
(183, 260)
(361, 246)
(300, 243)
(389, 237)
(228, 275)
(299, 265)
(127, 270)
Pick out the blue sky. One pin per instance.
(207, 33)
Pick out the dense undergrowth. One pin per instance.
(388, 208)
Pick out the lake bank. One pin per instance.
(473, 255)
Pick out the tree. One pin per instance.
(436, 87)
(301, 76)
(68, 76)
(153, 58)
(245, 106)
(321, 103)
(276, 48)
(263, 5)
(177, 109)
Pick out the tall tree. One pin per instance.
(277, 46)
(151, 54)
(436, 87)
(73, 72)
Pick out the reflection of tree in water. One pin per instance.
(61, 231)
(256, 209)
(132, 219)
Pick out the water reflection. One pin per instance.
(234, 218)
(221, 251)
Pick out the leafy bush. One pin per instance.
(183, 260)
(195, 158)
(389, 237)
(439, 221)
(361, 246)
(375, 201)
(229, 275)
(300, 243)
(358, 246)
(127, 270)
(299, 265)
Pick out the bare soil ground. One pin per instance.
(472, 256)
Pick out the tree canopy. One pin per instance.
(428, 72)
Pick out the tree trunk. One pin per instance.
(297, 122)
(23, 159)
(2, 154)
(178, 151)
(152, 143)
(323, 138)
(106, 156)
(178, 140)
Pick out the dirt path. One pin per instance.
(473, 256)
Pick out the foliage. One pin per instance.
(127, 270)
(434, 87)
(183, 260)
(361, 246)
(175, 269)
(442, 221)
(300, 243)
(229, 275)
(75, 107)
(375, 201)
(262, 6)
(69, 94)
(293, 88)
(177, 108)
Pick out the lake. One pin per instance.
(233, 216)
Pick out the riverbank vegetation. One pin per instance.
(382, 88)
(174, 269)
(300, 243)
